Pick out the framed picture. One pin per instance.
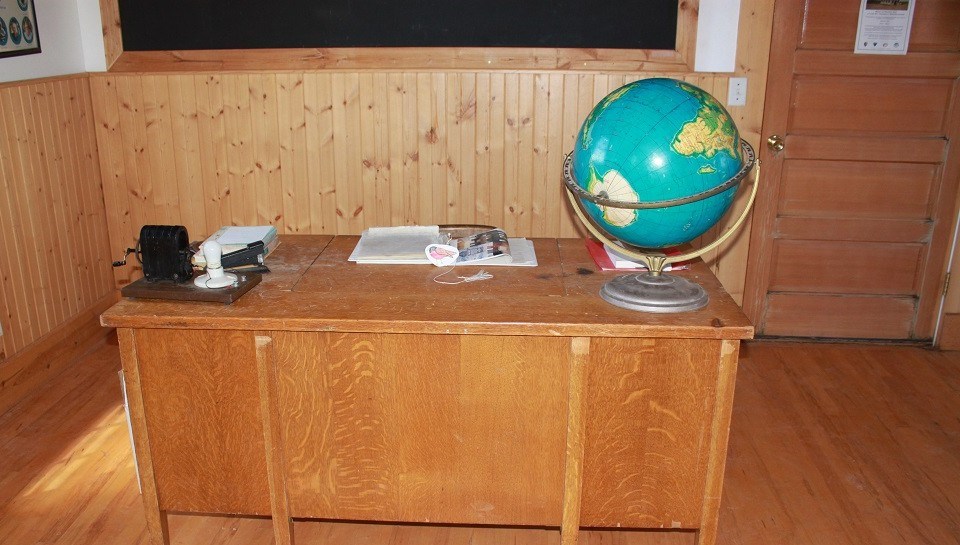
(18, 28)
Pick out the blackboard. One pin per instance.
(250, 24)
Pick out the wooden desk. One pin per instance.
(367, 392)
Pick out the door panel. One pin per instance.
(824, 315)
(812, 266)
(856, 189)
(864, 105)
(853, 217)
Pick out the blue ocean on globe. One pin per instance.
(655, 140)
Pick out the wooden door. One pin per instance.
(852, 222)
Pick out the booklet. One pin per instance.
(406, 245)
(609, 259)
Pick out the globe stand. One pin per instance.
(654, 290)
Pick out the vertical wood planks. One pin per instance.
(53, 256)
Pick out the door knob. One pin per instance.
(775, 143)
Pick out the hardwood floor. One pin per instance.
(838, 444)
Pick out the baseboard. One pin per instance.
(949, 338)
(29, 368)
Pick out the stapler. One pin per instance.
(250, 259)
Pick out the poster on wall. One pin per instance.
(18, 28)
(884, 27)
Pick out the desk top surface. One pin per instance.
(312, 287)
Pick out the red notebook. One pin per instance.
(604, 259)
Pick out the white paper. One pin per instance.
(717, 28)
(399, 245)
(884, 27)
(243, 234)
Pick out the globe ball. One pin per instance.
(657, 140)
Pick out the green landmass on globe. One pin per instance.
(657, 140)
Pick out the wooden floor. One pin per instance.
(830, 444)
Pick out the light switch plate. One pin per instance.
(737, 92)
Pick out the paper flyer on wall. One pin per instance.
(884, 27)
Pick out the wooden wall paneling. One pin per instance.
(292, 140)
(319, 155)
(91, 182)
(122, 230)
(498, 147)
(455, 204)
(34, 317)
(159, 134)
(17, 321)
(36, 193)
(552, 150)
(78, 248)
(467, 122)
(186, 147)
(131, 150)
(232, 92)
(525, 205)
(346, 150)
(436, 136)
(54, 274)
(228, 197)
(510, 207)
(263, 104)
(409, 118)
(46, 153)
(381, 144)
(571, 126)
(87, 243)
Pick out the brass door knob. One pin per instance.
(775, 143)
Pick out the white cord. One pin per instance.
(480, 275)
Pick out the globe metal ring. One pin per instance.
(748, 161)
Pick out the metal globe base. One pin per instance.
(648, 292)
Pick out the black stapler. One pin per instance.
(249, 259)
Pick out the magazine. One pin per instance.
(488, 246)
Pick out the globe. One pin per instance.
(659, 143)
(655, 164)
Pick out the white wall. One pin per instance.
(58, 26)
(91, 35)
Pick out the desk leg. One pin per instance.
(156, 519)
(722, 411)
(573, 472)
(269, 409)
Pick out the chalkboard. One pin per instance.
(256, 24)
